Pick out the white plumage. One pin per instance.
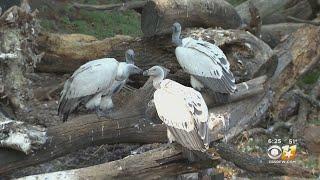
(205, 62)
(182, 109)
(93, 84)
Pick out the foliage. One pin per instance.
(66, 19)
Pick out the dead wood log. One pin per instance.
(274, 34)
(270, 130)
(65, 53)
(276, 11)
(260, 164)
(135, 5)
(297, 20)
(132, 127)
(247, 54)
(297, 55)
(128, 125)
(166, 162)
(159, 15)
(314, 102)
(302, 117)
(255, 21)
(18, 29)
(21, 136)
(160, 163)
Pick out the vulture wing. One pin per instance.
(89, 79)
(185, 113)
(207, 63)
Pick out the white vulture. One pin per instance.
(94, 83)
(184, 112)
(205, 62)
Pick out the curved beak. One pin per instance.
(146, 73)
(138, 71)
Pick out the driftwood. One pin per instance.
(274, 34)
(21, 136)
(127, 125)
(18, 30)
(158, 15)
(68, 52)
(260, 164)
(159, 163)
(276, 11)
(247, 54)
(135, 5)
(297, 55)
(167, 162)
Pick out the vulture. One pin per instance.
(206, 63)
(94, 83)
(184, 112)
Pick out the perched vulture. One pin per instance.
(94, 83)
(184, 112)
(205, 62)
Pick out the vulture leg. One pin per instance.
(94, 102)
(106, 103)
(170, 136)
(197, 85)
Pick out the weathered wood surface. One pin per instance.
(21, 136)
(297, 55)
(158, 15)
(274, 34)
(246, 53)
(18, 30)
(166, 162)
(261, 164)
(66, 52)
(159, 163)
(276, 11)
(127, 125)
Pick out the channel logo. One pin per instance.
(285, 153)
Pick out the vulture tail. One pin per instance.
(195, 156)
(220, 98)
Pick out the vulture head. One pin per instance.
(130, 56)
(157, 74)
(125, 70)
(176, 31)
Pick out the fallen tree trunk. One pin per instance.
(128, 125)
(246, 53)
(20, 136)
(164, 162)
(135, 5)
(159, 15)
(274, 34)
(276, 11)
(260, 164)
(297, 55)
(65, 53)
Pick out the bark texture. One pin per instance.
(159, 15)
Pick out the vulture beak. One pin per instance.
(146, 73)
(139, 71)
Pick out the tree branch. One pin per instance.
(160, 163)
(297, 20)
(310, 99)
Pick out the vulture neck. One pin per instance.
(176, 38)
(129, 60)
(157, 81)
(123, 72)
